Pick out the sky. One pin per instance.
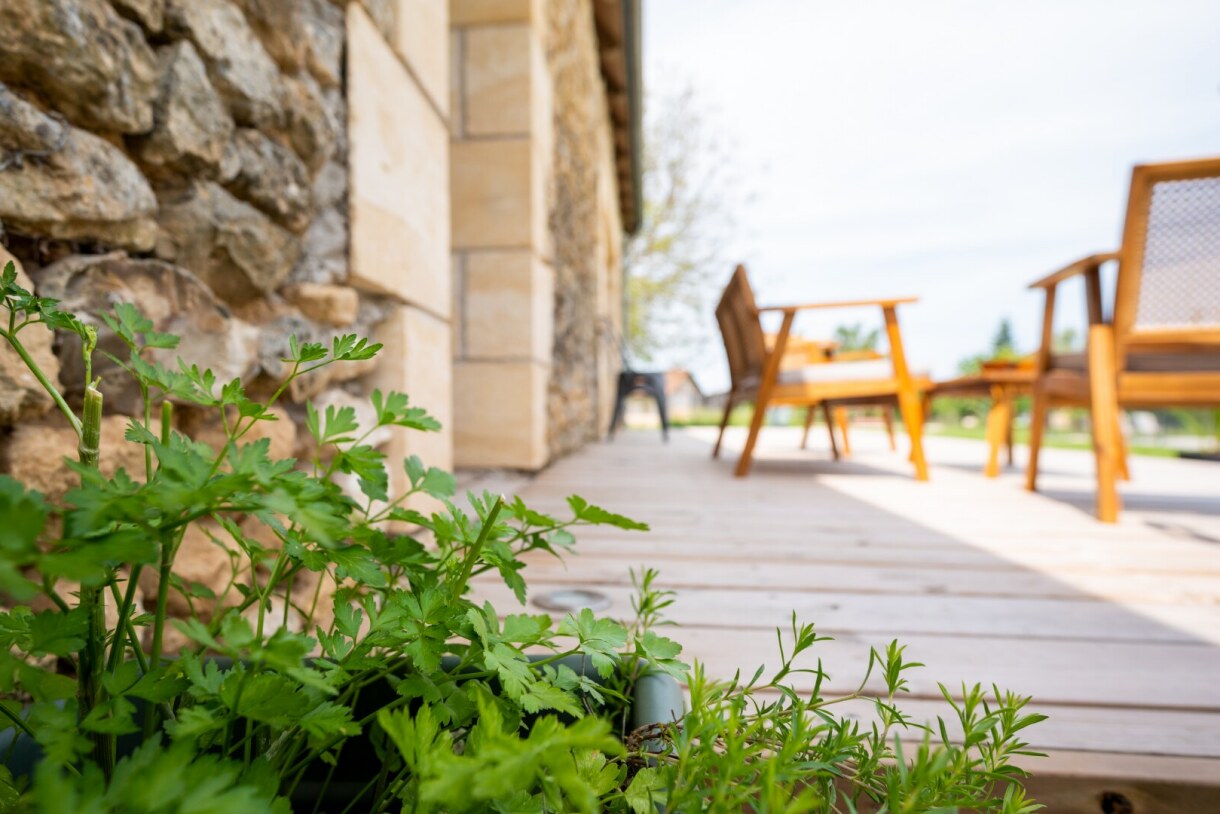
(954, 150)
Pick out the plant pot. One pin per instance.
(657, 698)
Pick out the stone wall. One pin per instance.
(586, 233)
(243, 171)
(398, 76)
(189, 156)
(193, 156)
(250, 169)
(536, 232)
(500, 165)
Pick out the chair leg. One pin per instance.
(620, 402)
(1008, 430)
(1123, 471)
(999, 422)
(842, 423)
(887, 415)
(909, 396)
(1037, 425)
(766, 384)
(810, 412)
(663, 409)
(830, 431)
(747, 452)
(912, 418)
(724, 422)
(1103, 398)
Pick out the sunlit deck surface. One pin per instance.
(1114, 630)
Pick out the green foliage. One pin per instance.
(765, 745)
(855, 337)
(485, 711)
(674, 260)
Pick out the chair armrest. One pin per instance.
(1082, 265)
(844, 304)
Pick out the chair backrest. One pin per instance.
(742, 331)
(1169, 274)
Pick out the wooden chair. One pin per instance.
(800, 352)
(841, 418)
(757, 374)
(1161, 345)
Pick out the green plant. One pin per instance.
(253, 705)
(855, 337)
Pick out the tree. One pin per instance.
(1003, 345)
(674, 260)
(853, 337)
(1066, 341)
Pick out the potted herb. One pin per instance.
(344, 667)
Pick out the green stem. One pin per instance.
(118, 647)
(472, 556)
(265, 598)
(46, 383)
(163, 579)
(147, 428)
(167, 420)
(91, 659)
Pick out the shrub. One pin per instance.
(462, 707)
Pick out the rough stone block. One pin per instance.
(509, 305)
(34, 454)
(192, 126)
(416, 360)
(500, 414)
(498, 196)
(90, 63)
(324, 249)
(323, 33)
(399, 187)
(312, 130)
(335, 305)
(176, 302)
(490, 12)
(273, 179)
(203, 558)
(204, 425)
(279, 25)
(240, 67)
(148, 13)
(81, 188)
(422, 38)
(232, 246)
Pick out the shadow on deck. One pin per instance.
(1114, 630)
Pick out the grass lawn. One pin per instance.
(741, 417)
(1050, 439)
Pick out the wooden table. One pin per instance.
(1001, 381)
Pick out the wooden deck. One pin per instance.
(1115, 630)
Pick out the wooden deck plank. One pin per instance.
(743, 571)
(1115, 630)
(903, 614)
